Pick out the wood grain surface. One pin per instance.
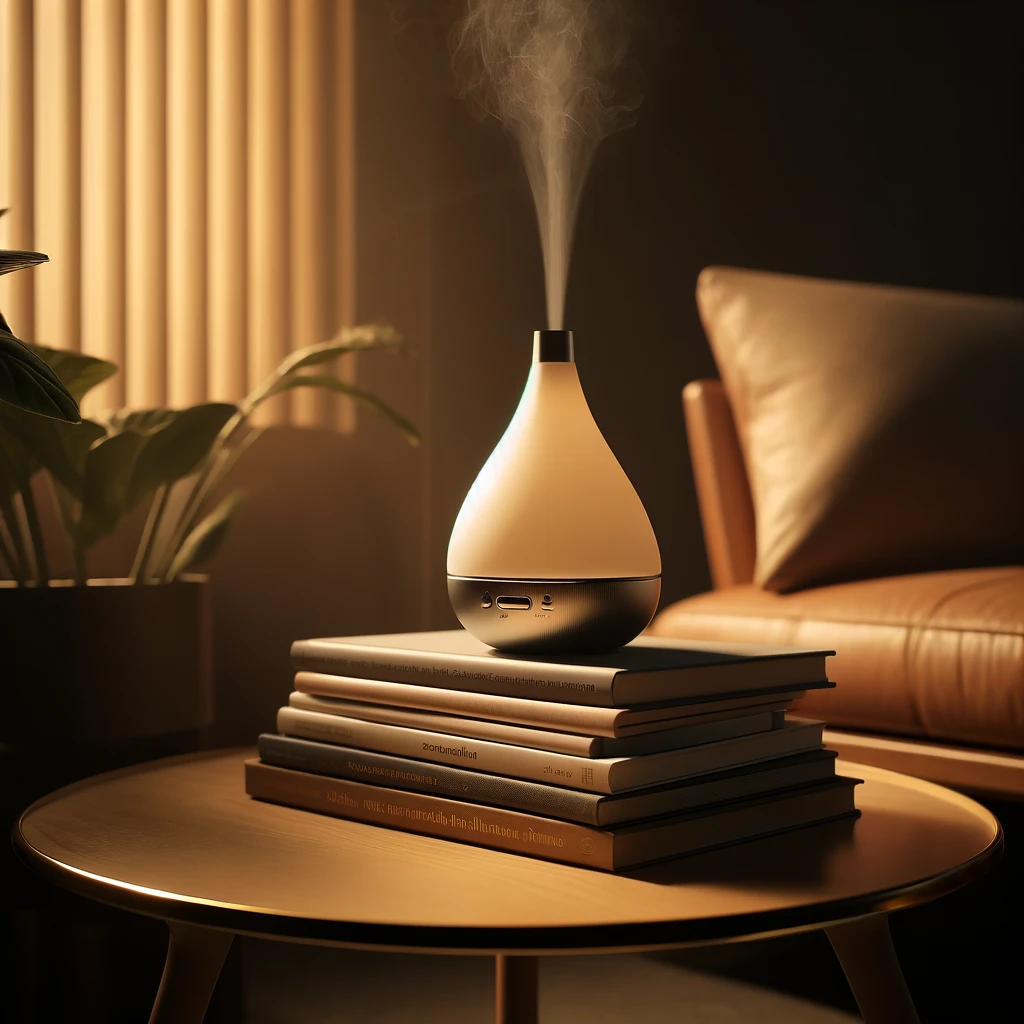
(179, 839)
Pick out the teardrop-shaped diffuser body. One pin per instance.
(552, 550)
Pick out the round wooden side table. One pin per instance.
(179, 840)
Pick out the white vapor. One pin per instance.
(546, 68)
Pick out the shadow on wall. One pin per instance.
(321, 549)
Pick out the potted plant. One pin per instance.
(105, 661)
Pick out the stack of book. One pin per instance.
(609, 761)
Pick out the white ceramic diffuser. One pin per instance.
(552, 550)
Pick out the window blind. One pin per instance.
(188, 167)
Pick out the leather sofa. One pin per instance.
(844, 508)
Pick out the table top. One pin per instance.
(179, 839)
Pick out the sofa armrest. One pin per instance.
(723, 493)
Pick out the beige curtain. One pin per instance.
(188, 167)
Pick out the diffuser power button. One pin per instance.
(485, 600)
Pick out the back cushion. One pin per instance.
(882, 428)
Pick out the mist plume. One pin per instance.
(548, 70)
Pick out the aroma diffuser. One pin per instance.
(552, 550)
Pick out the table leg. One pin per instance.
(194, 959)
(864, 948)
(515, 990)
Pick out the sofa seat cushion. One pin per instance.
(939, 655)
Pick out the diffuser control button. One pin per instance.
(519, 604)
(485, 600)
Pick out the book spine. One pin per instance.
(688, 736)
(506, 677)
(479, 728)
(444, 780)
(590, 774)
(570, 717)
(633, 772)
(432, 815)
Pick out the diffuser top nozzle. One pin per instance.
(552, 347)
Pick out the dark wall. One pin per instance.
(861, 141)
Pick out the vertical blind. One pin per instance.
(188, 167)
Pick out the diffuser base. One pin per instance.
(554, 616)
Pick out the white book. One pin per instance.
(648, 670)
(545, 714)
(596, 775)
(688, 735)
(336, 761)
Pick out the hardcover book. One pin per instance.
(648, 670)
(606, 849)
(591, 721)
(539, 798)
(596, 774)
(689, 735)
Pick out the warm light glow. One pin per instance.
(181, 190)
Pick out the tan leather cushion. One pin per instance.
(882, 428)
(935, 654)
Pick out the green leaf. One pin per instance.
(61, 449)
(146, 421)
(360, 397)
(348, 339)
(176, 449)
(205, 540)
(19, 259)
(78, 373)
(112, 474)
(105, 492)
(26, 382)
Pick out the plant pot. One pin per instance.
(107, 663)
